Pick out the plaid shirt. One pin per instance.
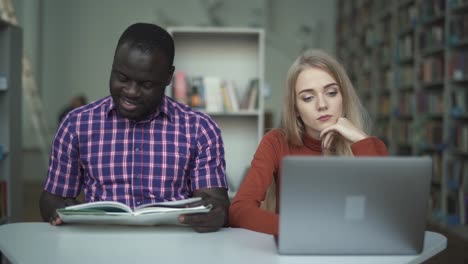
(164, 157)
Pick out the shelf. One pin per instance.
(404, 145)
(432, 116)
(459, 82)
(431, 51)
(404, 117)
(461, 153)
(406, 31)
(433, 85)
(459, 9)
(459, 44)
(233, 114)
(432, 148)
(405, 3)
(433, 20)
(406, 88)
(406, 61)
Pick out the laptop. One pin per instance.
(353, 206)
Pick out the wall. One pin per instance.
(71, 43)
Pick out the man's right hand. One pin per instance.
(49, 203)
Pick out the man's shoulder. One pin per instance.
(186, 112)
(91, 111)
(101, 105)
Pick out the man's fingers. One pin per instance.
(214, 218)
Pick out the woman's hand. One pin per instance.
(345, 128)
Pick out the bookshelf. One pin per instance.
(11, 54)
(416, 87)
(235, 55)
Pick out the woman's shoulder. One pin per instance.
(275, 136)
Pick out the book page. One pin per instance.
(171, 204)
(162, 210)
(100, 206)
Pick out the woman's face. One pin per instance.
(319, 102)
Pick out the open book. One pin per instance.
(109, 212)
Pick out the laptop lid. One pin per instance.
(353, 206)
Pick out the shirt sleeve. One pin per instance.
(63, 176)
(209, 166)
(370, 146)
(245, 209)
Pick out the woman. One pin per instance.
(322, 115)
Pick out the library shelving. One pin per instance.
(11, 54)
(416, 86)
(220, 71)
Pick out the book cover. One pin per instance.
(110, 212)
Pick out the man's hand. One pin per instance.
(49, 204)
(213, 220)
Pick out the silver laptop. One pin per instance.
(353, 206)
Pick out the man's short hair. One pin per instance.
(148, 37)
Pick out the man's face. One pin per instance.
(138, 81)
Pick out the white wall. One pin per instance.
(71, 42)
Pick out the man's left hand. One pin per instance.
(213, 220)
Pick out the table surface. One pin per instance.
(43, 243)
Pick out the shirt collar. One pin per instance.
(164, 107)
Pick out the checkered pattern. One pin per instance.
(164, 157)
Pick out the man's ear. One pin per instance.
(170, 74)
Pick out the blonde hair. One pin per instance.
(292, 125)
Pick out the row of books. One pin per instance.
(432, 9)
(214, 94)
(406, 76)
(461, 137)
(405, 47)
(432, 134)
(436, 167)
(458, 29)
(403, 132)
(432, 38)
(430, 102)
(432, 69)
(457, 183)
(458, 66)
(408, 17)
(384, 105)
(460, 102)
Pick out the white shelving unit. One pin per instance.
(234, 54)
(11, 53)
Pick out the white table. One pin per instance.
(42, 243)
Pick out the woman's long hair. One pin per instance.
(292, 126)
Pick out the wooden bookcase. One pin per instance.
(233, 54)
(408, 59)
(11, 53)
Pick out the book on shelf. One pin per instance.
(180, 87)
(111, 212)
(3, 83)
(250, 99)
(3, 199)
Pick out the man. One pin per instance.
(138, 146)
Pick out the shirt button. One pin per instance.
(137, 149)
(138, 202)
